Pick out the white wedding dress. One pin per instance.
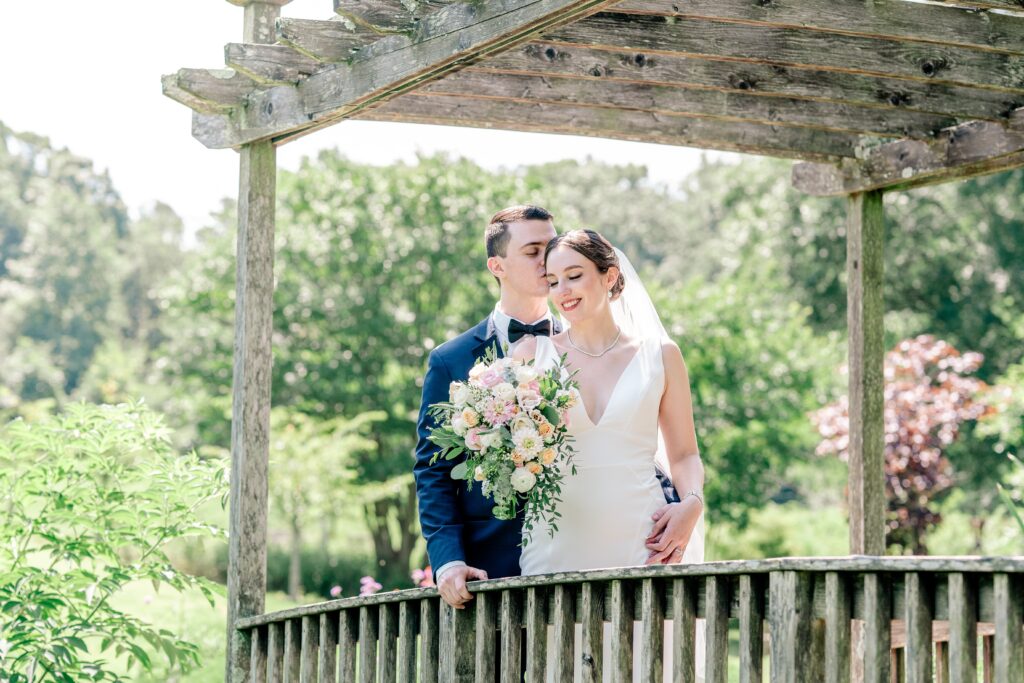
(606, 507)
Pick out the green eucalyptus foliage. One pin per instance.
(89, 500)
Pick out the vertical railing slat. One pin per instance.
(408, 618)
(536, 635)
(430, 639)
(917, 600)
(877, 629)
(563, 623)
(511, 636)
(751, 603)
(684, 621)
(837, 628)
(622, 632)
(348, 645)
(716, 610)
(387, 647)
(942, 662)
(368, 629)
(592, 618)
(327, 664)
(258, 654)
(652, 631)
(486, 637)
(963, 628)
(292, 650)
(458, 643)
(790, 625)
(275, 652)
(1009, 646)
(310, 640)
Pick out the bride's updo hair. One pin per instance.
(595, 248)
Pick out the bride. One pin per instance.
(634, 408)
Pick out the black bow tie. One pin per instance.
(516, 329)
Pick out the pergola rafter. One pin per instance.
(870, 96)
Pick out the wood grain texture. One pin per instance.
(716, 610)
(790, 621)
(258, 655)
(269, 64)
(963, 628)
(563, 625)
(511, 636)
(787, 47)
(387, 646)
(536, 635)
(894, 19)
(275, 652)
(652, 630)
(1009, 622)
(310, 647)
(591, 661)
(747, 137)
(865, 237)
(368, 630)
(963, 151)
(486, 635)
(598, 65)
(838, 612)
(698, 103)
(292, 650)
(621, 634)
(327, 664)
(430, 639)
(323, 41)
(918, 598)
(408, 627)
(387, 16)
(684, 615)
(877, 625)
(751, 616)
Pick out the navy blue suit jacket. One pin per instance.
(457, 521)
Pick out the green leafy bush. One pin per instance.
(89, 500)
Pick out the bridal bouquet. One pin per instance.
(510, 421)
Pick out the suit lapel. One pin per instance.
(486, 336)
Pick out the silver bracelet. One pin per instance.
(693, 492)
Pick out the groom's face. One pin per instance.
(522, 267)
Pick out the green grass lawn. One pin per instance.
(192, 618)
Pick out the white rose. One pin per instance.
(490, 439)
(521, 423)
(504, 391)
(460, 393)
(523, 480)
(478, 473)
(459, 425)
(526, 373)
(528, 398)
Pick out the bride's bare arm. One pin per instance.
(675, 419)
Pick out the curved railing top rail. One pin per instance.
(851, 563)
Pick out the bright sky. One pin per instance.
(87, 75)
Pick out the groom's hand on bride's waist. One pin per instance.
(452, 584)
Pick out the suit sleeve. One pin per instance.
(440, 514)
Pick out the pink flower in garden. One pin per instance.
(368, 586)
(335, 591)
(424, 578)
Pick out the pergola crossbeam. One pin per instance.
(209, 90)
(270, 64)
(669, 101)
(393, 16)
(331, 40)
(963, 151)
(608, 122)
(442, 42)
(786, 47)
(751, 78)
(891, 19)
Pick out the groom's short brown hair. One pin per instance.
(496, 236)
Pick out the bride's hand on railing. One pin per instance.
(673, 525)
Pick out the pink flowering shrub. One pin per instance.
(928, 396)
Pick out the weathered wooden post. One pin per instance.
(250, 409)
(865, 309)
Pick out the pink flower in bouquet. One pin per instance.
(335, 591)
(498, 412)
(491, 377)
(473, 442)
(528, 398)
(368, 586)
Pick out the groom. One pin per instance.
(464, 540)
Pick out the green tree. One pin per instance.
(89, 500)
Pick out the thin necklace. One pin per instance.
(611, 346)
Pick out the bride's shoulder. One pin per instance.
(672, 358)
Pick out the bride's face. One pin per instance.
(577, 288)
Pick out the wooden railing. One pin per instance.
(877, 619)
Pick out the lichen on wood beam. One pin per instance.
(209, 90)
(970, 149)
(332, 40)
(388, 16)
(270, 64)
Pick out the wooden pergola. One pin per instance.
(868, 96)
